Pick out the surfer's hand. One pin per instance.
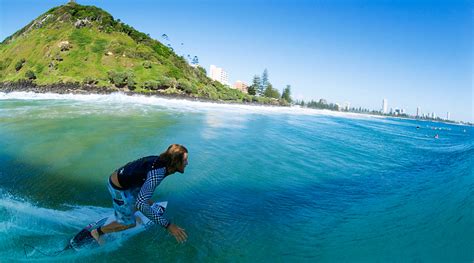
(178, 233)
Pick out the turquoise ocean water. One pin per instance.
(263, 184)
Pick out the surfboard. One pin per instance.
(84, 239)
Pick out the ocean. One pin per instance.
(263, 184)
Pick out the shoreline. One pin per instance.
(436, 121)
(87, 89)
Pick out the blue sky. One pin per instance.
(414, 53)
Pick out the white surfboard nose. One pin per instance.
(163, 204)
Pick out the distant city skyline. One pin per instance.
(413, 53)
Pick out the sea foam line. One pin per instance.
(75, 216)
(178, 104)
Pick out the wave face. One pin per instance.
(263, 183)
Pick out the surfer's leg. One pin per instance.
(115, 227)
(96, 236)
(124, 210)
(109, 228)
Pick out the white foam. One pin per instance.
(118, 99)
(22, 218)
(24, 212)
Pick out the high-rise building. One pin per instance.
(218, 74)
(418, 112)
(384, 106)
(240, 85)
(433, 115)
(448, 115)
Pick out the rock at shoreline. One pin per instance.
(84, 88)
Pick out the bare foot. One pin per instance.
(96, 236)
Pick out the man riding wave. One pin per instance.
(132, 186)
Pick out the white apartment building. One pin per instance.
(218, 74)
(384, 106)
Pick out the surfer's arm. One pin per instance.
(153, 179)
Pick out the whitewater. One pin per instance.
(279, 184)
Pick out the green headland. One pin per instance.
(84, 48)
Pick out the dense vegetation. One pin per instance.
(84, 44)
(262, 87)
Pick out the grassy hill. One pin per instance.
(85, 44)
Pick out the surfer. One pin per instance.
(132, 186)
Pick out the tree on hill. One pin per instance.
(19, 64)
(195, 61)
(255, 87)
(30, 75)
(264, 83)
(270, 92)
(251, 90)
(286, 94)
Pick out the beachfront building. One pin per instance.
(242, 86)
(398, 111)
(384, 106)
(448, 115)
(218, 74)
(418, 111)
